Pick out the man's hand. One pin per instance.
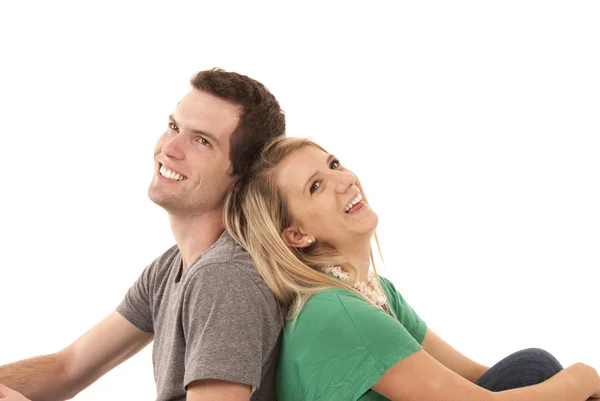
(8, 394)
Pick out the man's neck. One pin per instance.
(195, 233)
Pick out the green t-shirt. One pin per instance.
(341, 345)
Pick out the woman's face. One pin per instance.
(324, 200)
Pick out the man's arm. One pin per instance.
(451, 358)
(230, 327)
(60, 376)
(217, 390)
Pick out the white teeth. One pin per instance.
(165, 172)
(353, 202)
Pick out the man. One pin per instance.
(215, 325)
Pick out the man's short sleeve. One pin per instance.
(228, 326)
(136, 306)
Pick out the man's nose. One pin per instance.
(173, 147)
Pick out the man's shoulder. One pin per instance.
(168, 256)
(164, 263)
(226, 266)
(226, 258)
(226, 250)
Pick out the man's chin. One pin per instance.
(167, 202)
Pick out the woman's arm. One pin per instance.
(8, 394)
(421, 377)
(451, 358)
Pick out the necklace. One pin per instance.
(371, 291)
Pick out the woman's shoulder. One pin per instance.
(385, 283)
(325, 302)
(330, 307)
(334, 299)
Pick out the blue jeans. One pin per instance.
(523, 368)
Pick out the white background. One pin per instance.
(474, 127)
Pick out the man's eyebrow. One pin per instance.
(197, 131)
(329, 159)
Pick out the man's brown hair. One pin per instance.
(261, 117)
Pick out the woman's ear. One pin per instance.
(296, 239)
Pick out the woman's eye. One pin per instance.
(314, 187)
(173, 127)
(334, 164)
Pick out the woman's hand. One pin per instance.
(8, 394)
(596, 395)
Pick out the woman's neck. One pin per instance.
(359, 253)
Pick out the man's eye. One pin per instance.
(173, 127)
(314, 187)
(203, 141)
(334, 164)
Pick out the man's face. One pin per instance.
(191, 158)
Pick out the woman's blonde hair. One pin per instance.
(255, 215)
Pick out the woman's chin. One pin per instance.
(373, 222)
(368, 225)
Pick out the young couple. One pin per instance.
(270, 291)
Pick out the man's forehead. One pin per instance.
(200, 111)
(202, 104)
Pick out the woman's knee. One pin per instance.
(539, 358)
(523, 368)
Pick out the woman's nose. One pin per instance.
(345, 180)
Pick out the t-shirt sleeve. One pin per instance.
(343, 352)
(136, 306)
(405, 313)
(228, 326)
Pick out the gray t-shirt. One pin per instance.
(217, 320)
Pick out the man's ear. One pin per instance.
(294, 238)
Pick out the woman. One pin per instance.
(304, 219)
